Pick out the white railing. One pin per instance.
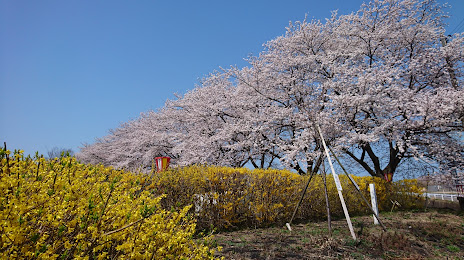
(442, 196)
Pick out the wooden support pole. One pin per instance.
(359, 191)
(329, 221)
(339, 186)
(301, 199)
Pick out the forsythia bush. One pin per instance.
(228, 198)
(63, 209)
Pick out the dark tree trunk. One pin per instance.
(394, 160)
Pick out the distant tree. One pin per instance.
(57, 152)
(133, 145)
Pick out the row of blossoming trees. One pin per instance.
(383, 83)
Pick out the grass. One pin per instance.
(413, 235)
(453, 248)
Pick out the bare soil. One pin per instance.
(432, 234)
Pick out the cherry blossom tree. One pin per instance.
(384, 84)
(397, 92)
(211, 125)
(133, 145)
(378, 81)
(200, 116)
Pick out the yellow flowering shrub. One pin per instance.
(229, 198)
(63, 209)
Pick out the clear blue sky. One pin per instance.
(72, 70)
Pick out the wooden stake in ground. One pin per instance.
(374, 202)
(326, 199)
(339, 186)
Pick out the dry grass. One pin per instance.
(411, 235)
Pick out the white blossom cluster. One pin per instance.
(383, 83)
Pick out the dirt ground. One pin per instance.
(433, 234)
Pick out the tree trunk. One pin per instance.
(394, 160)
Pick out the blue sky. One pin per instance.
(72, 70)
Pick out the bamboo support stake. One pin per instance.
(339, 186)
